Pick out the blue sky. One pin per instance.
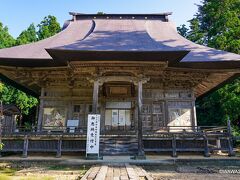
(19, 14)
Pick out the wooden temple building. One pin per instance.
(135, 70)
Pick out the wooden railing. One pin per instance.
(68, 139)
(46, 130)
(109, 130)
(188, 130)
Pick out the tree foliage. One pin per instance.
(6, 40)
(217, 25)
(220, 22)
(48, 27)
(183, 30)
(11, 95)
(27, 36)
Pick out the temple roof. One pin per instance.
(143, 37)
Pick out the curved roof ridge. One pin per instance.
(118, 35)
(159, 16)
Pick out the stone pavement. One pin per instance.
(116, 172)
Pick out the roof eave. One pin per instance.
(30, 62)
(86, 55)
(229, 80)
(229, 64)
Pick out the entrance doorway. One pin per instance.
(118, 115)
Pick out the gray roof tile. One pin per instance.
(118, 35)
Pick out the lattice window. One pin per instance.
(158, 121)
(146, 116)
(153, 116)
(147, 93)
(158, 115)
(147, 122)
(157, 94)
(146, 109)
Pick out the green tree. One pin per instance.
(220, 22)
(11, 95)
(100, 13)
(8, 94)
(195, 33)
(1, 87)
(217, 25)
(27, 36)
(6, 40)
(223, 103)
(48, 27)
(183, 30)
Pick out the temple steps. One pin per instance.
(118, 145)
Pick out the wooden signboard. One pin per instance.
(93, 133)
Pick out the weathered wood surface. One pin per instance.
(116, 172)
(102, 173)
(174, 147)
(95, 96)
(121, 145)
(140, 128)
(61, 77)
(118, 145)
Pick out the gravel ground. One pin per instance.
(194, 173)
(32, 173)
(40, 171)
(193, 176)
(48, 171)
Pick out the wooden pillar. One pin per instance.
(40, 112)
(218, 143)
(166, 119)
(95, 97)
(25, 147)
(141, 154)
(59, 148)
(194, 116)
(229, 139)
(230, 147)
(174, 146)
(1, 119)
(36, 120)
(206, 149)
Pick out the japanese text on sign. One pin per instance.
(93, 132)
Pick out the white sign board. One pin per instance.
(93, 133)
(72, 124)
